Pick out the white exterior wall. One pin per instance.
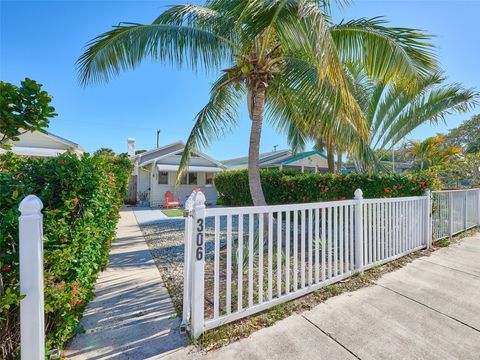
(157, 192)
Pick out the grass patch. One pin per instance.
(173, 212)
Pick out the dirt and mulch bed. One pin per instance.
(166, 244)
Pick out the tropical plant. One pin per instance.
(394, 110)
(432, 151)
(285, 58)
(104, 152)
(23, 109)
(459, 172)
(467, 135)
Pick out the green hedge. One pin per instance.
(285, 187)
(81, 198)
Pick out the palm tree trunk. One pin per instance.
(339, 161)
(256, 106)
(330, 157)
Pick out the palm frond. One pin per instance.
(432, 107)
(127, 45)
(387, 53)
(216, 118)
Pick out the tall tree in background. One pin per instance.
(23, 109)
(467, 135)
(278, 56)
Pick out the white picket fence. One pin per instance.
(243, 260)
(239, 261)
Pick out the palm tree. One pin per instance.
(394, 110)
(433, 151)
(278, 55)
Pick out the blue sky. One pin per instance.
(43, 39)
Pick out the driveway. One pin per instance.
(430, 309)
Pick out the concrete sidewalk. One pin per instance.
(132, 316)
(430, 309)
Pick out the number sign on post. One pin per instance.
(198, 297)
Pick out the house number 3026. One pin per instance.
(199, 252)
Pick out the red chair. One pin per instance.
(170, 200)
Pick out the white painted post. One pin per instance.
(465, 211)
(32, 328)
(359, 230)
(428, 220)
(478, 207)
(198, 266)
(187, 268)
(450, 213)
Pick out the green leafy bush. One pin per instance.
(81, 198)
(286, 187)
(461, 172)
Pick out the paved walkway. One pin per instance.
(132, 316)
(430, 309)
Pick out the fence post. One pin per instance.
(198, 266)
(478, 207)
(32, 328)
(359, 230)
(428, 230)
(187, 268)
(450, 213)
(465, 223)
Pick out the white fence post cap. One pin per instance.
(30, 205)
(358, 194)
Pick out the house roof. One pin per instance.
(292, 158)
(282, 157)
(268, 156)
(168, 150)
(62, 140)
(35, 143)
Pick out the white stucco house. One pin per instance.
(39, 144)
(156, 170)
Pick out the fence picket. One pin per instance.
(279, 253)
(251, 244)
(270, 256)
(287, 252)
(240, 263)
(216, 280)
(229, 265)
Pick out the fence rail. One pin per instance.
(244, 260)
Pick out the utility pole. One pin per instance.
(158, 137)
(393, 160)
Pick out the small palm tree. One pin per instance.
(394, 111)
(279, 56)
(433, 151)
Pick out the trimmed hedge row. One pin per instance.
(287, 187)
(81, 198)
